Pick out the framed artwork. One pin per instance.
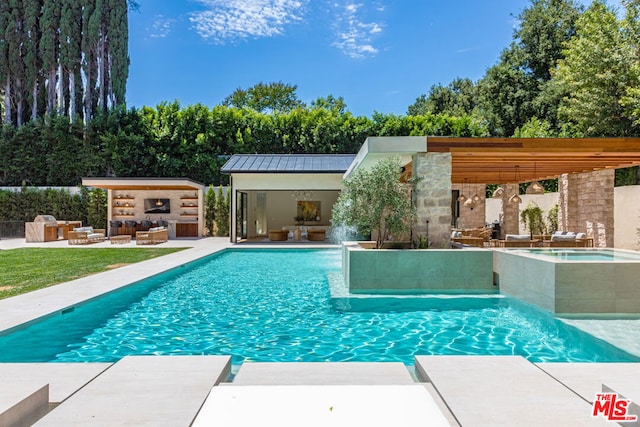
(308, 210)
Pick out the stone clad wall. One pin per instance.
(471, 217)
(510, 215)
(432, 197)
(587, 205)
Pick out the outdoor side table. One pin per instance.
(120, 240)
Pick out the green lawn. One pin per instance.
(25, 270)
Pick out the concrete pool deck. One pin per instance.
(197, 390)
(580, 379)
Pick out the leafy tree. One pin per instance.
(457, 99)
(330, 103)
(97, 208)
(223, 212)
(210, 211)
(544, 29)
(531, 216)
(519, 86)
(375, 199)
(265, 98)
(597, 73)
(534, 128)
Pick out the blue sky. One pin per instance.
(379, 55)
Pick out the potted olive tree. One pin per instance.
(375, 200)
(532, 219)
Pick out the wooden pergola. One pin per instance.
(511, 160)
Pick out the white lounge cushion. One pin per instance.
(558, 233)
(565, 238)
(95, 235)
(581, 235)
(517, 237)
(87, 229)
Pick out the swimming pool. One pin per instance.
(275, 305)
(582, 254)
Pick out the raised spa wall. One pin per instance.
(569, 288)
(417, 271)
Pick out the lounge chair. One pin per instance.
(86, 235)
(518, 241)
(153, 236)
(562, 240)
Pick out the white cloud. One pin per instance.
(161, 27)
(229, 20)
(354, 36)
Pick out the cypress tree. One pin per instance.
(15, 46)
(32, 12)
(4, 60)
(90, 35)
(118, 52)
(49, 48)
(71, 56)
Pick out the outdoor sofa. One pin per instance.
(86, 235)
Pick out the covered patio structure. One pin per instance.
(585, 168)
(136, 204)
(283, 191)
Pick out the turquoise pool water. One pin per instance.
(275, 305)
(583, 254)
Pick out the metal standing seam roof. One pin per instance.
(288, 163)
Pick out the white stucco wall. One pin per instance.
(626, 213)
(626, 216)
(282, 208)
(544, 201)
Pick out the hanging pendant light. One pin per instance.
(535, 187)
(516, 198)
(462, 197)
(476, 198)
(470, 204)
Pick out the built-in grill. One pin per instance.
(44, 228)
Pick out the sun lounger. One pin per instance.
(143, 391)
(503, 391)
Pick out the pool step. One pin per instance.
(320, 405)
(323, 373)
(503, 391)
(64, 379)
(143, 391)
(22, 404)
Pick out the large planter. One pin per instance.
(390, 271)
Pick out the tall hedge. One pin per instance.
(192, 142)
